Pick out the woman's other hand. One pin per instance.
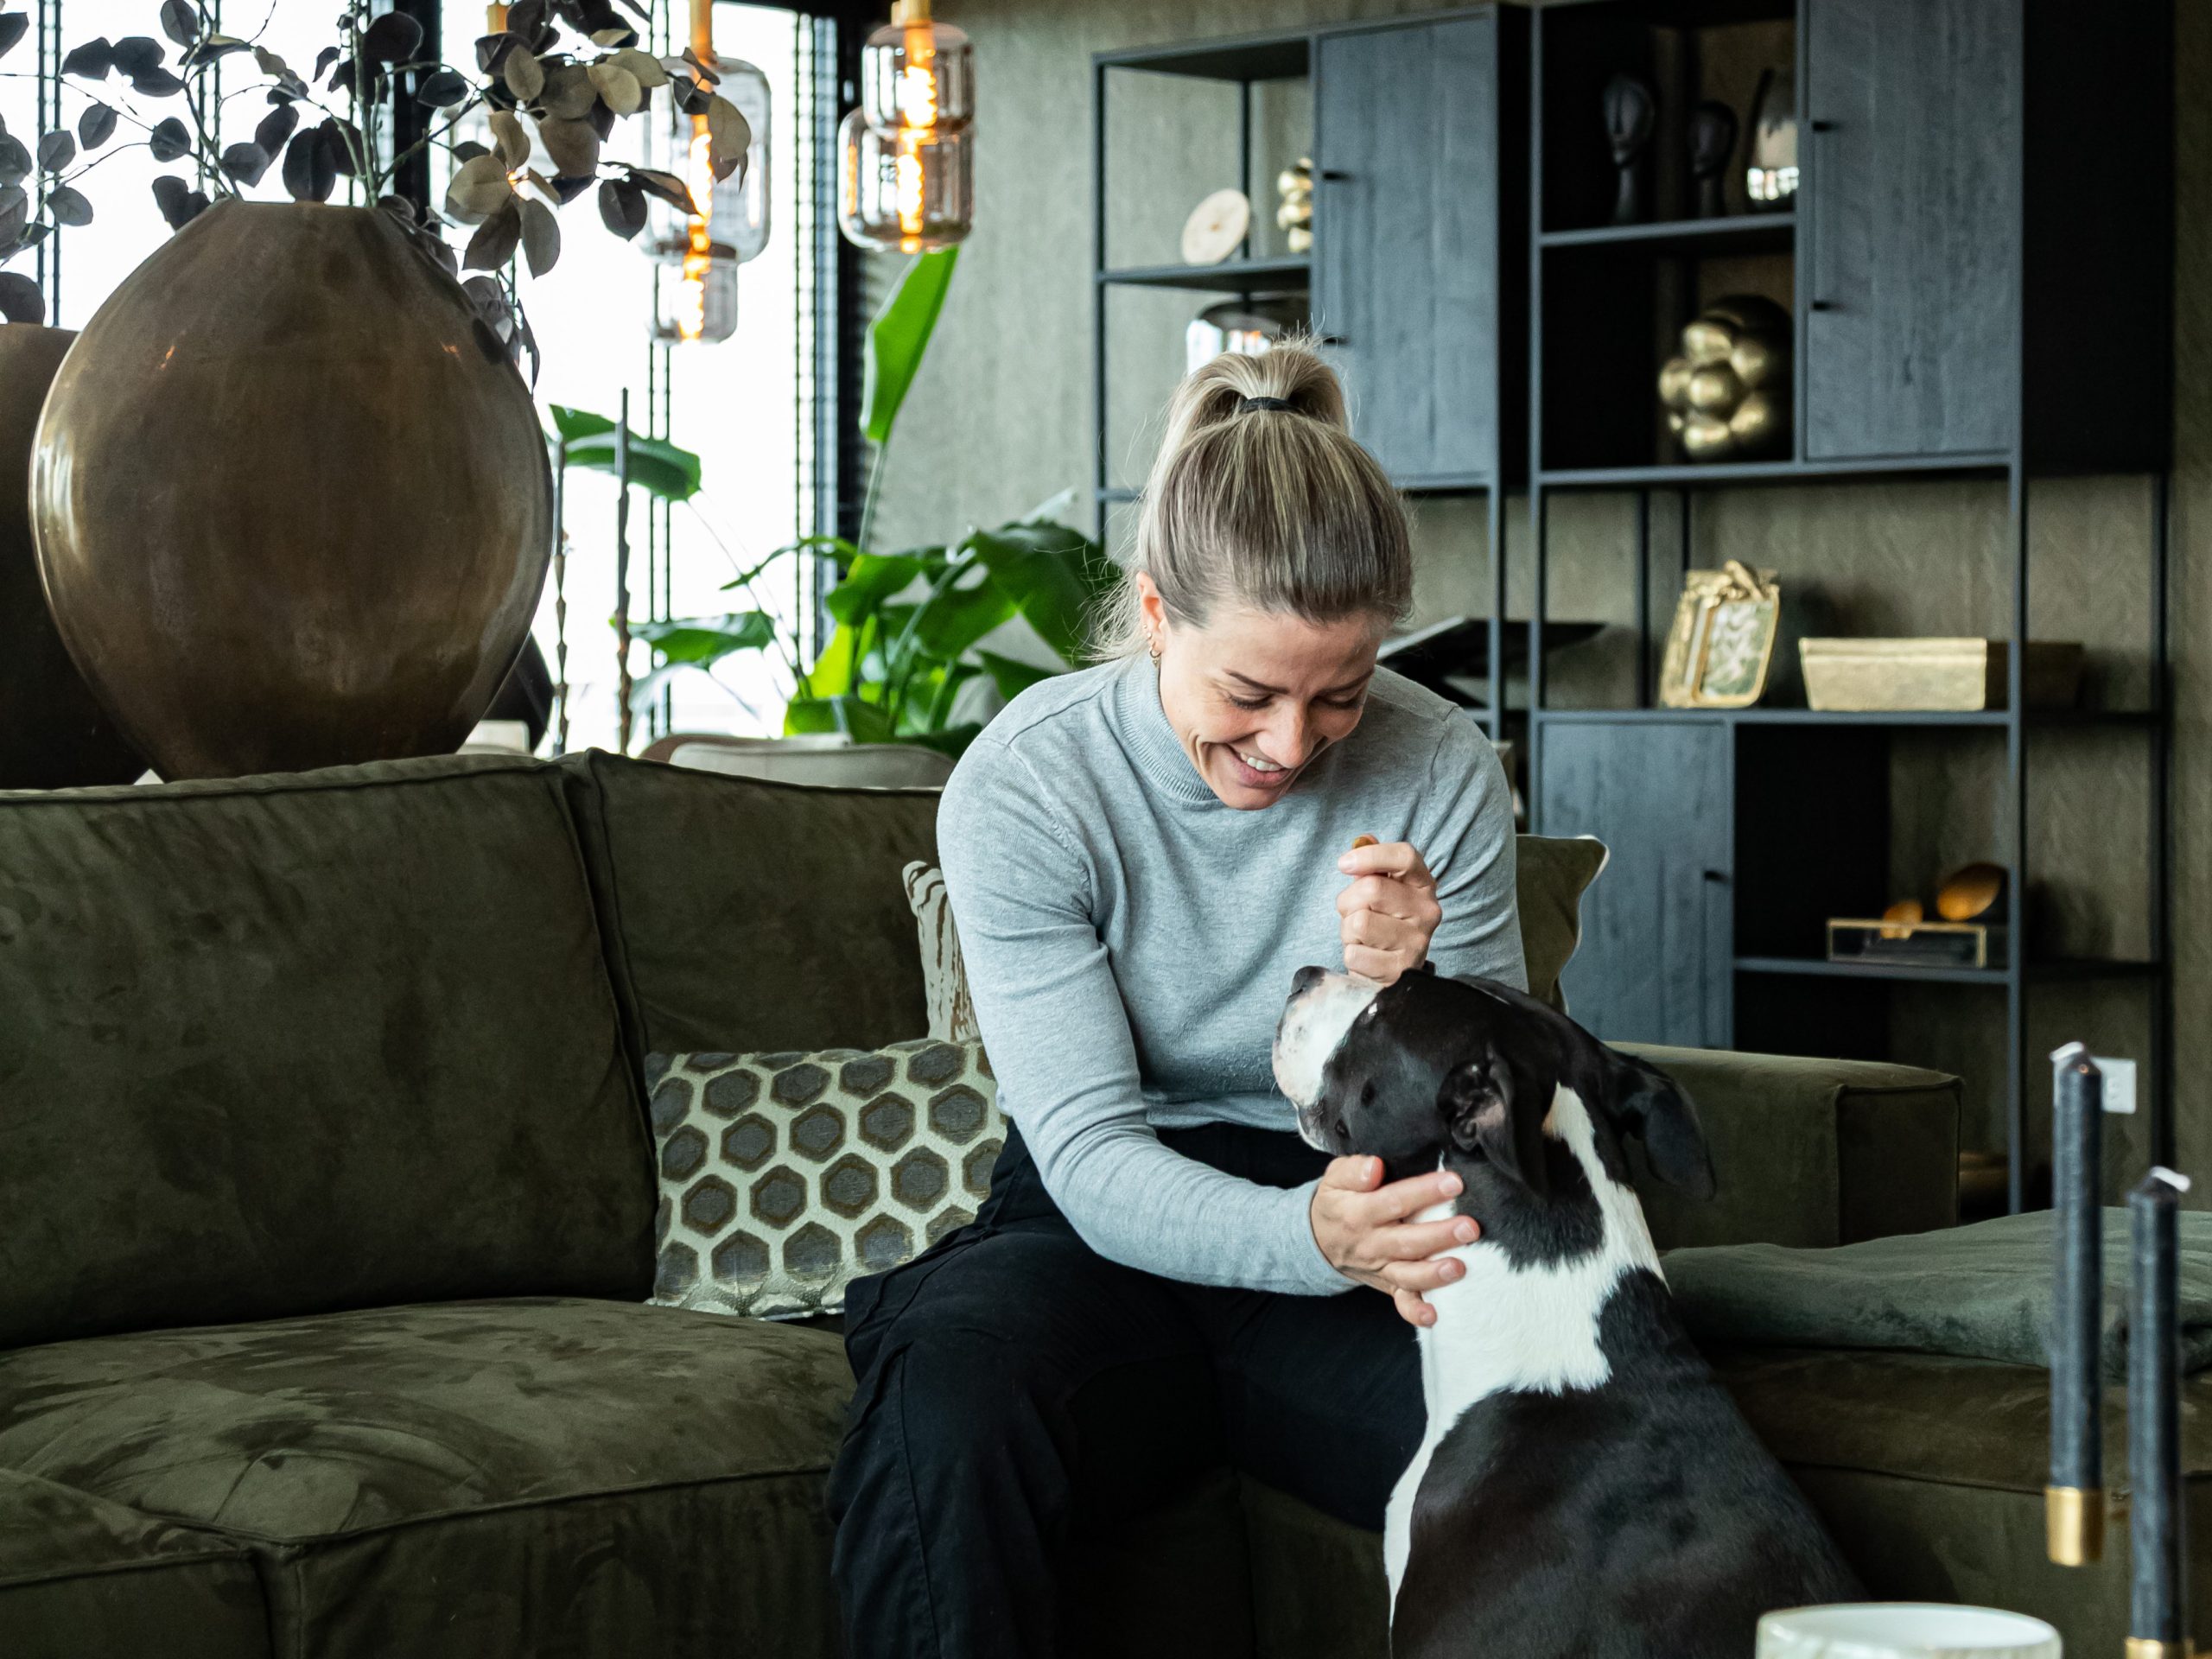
(1361, 1226)
(1389, 913)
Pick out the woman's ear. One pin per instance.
(1152, 607)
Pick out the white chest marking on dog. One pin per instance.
(1524, 1329)
(1311, 1028)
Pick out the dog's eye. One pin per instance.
(1367, 1094)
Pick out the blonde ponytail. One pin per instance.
(1261, 497)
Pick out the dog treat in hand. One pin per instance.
(1358, 841)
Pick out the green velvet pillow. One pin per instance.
(1551, 876)
(784, 1176)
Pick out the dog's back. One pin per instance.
(1638, 1519)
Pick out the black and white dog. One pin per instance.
(1584, 1486)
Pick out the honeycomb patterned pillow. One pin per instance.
(784, 1176)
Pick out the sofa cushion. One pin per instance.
(785, 1176)
(80, 1575)
(1551, 873)
(518, 1477)
(745, 915)
(322, 1040)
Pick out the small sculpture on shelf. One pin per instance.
(1713, 141)
(1727, 394)
(1631, 113)
(1294, 205)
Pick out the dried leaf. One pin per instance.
(170, 140)
(277, 69)
(729, 138)
(511, 144)
(479, 190)
(541, 236)
(310, 170)
(573, 145)
(15, 162)
(493, 245)
(400, 208)
(211, 48)
(91, 60)
(610, 36)
(68, 206)
(19, 298)
(95, 126)
(393, 38)
(276, 127)
(642, 65)
(569, 94)
(601, 119)
(14, 25)
(443, 89)
(56, 151)
(156, 82)
(435, 246)
(492, 51)
(705, 70)
(691, 97)
(15, 213)
(324, 59)
(170, 193)
(670, 188)
(525, 75)
(245, 163)
(526, 18)
(618, 87)
(622, 207)
(179, 23)
(567, 190)
(342, 140)
(469, 149)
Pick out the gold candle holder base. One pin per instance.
(2074, 1525)
(2143, 1647)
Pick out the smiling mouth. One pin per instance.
(1259, 773)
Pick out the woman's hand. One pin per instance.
(1389, 913)
(1362, 1229)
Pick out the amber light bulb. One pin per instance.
(906, 173)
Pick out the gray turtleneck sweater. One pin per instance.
(1130, 941)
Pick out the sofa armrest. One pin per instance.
(1808, 1152)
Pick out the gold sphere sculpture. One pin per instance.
(1727, 394)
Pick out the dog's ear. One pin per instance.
(1476, 1099)
(1651, 1106)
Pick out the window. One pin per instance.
(746, 405)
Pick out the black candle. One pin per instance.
(2074, 1501)
(2155, 1625)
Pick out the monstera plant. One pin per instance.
(909, 625)
(550, 87)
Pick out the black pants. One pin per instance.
(1013, 1383)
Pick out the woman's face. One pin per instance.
(1255, 694)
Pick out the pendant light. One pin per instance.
(707, 250)
(907, 173)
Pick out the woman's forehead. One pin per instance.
(1284, 650)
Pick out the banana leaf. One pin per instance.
(898, 336)
(700, 640)
(657, 466)
(876, 577)
(1011, 677)
(863, 721)
(1047, 572)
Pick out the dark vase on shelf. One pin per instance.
(1631, 113)
(1713, 141)
(292, 503)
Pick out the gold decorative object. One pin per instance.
(1903, 916)
(1727, 394)
(1863, 676)
(1970, 893)
(292, 500)
(1216, 227)
(1294, 205)
(1722, 639)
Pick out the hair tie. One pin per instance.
(1250, 403)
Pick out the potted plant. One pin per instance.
(292, 507)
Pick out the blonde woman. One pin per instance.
(1165, 1278)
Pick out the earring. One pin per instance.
(1155, 651)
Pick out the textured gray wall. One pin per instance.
(1000, 420)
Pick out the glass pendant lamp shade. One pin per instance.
(906, 173)
(707, 248)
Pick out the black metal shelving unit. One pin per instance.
(2054, 60)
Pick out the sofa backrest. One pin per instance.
(742, 914)
(275, 1046)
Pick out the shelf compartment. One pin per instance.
(1274, 57)
(1237, 277)
(1723, 473)
(1996, 719)
(1731, 235)
(2073, 967)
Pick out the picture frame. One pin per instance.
(1720, 645)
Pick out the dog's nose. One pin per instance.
(1303, 980)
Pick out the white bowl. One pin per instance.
(1905, 1629)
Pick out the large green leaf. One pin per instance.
(1011, 677)
(836, 670)
(963, 608)
(573, 423)
(863, 721)
(1046, 573)
(704, 639)
(875, 577)
(656, 464)
(898, 336)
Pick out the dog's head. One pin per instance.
(1467, 1073)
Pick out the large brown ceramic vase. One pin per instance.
(53, 733)
(292, 503)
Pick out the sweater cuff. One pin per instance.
(1309, 1271)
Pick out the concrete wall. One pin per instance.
(1000, 420)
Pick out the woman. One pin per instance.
(1139, 856)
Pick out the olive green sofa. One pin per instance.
(327, 1217)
